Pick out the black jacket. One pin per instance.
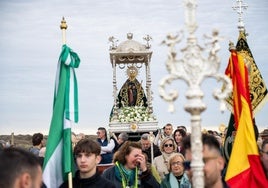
(96, 181)
(157, 152)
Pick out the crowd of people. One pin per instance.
(163, 162)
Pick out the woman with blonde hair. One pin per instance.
(167, 148)
(177, 178)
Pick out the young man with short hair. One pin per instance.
(38, 143)
(19, 169)
(87, 157)
(213, 161)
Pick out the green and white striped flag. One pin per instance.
(58, 160)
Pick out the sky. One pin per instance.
(31, 40)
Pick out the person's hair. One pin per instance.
(181, 131)
(210, 132)
(87, 146)
(186, 142)
(145, 136)
(182, 127)
(264, 143)
(103, 129)
(14, 162)
(168, 125)
(125, 150)
(212, 142)
(123, 136)
(207, 139)
(37, 138)
(162, 144)
(172, 157)
(256, 130)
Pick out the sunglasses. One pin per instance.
(168, 145)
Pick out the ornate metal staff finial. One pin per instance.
(63, 27)
(239, 7)
(190, 21)
(231, 46)
(63, 24)
(147, 38)
(129, 36)
(113, 42)
(193, 68)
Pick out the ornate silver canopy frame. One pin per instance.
(131, 55)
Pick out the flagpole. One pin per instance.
(63, 27)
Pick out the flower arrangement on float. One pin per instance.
(135, 114)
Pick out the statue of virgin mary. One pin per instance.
(132, 93)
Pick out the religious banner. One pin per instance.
(257, 88)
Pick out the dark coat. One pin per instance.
(147, 180)
(157, 152)
(96, 181)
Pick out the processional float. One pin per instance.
(132, 110)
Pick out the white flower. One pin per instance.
(134, 114)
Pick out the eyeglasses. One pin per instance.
(179, 163)
(168, 145)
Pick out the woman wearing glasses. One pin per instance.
(167, 147)
(177, 178)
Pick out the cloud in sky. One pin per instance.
(30, 44)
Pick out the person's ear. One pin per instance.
(221, 162)
(98, 159)
(25, 180)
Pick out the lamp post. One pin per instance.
(193, 68)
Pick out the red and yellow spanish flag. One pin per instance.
(244, 168)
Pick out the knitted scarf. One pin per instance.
(173, 181)
(128, 177)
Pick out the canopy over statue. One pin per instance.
(132, 110)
